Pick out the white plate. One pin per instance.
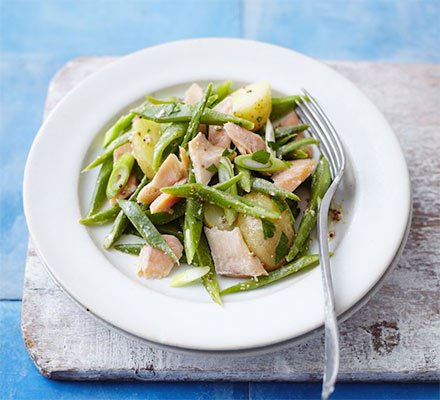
(375, 197)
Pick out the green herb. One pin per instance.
(228, 152)
(272, 145)
(145, 227)
(282, 248)
(279, 203)
(261, 156)
(269, 228)
(293, 205)
(212, 168)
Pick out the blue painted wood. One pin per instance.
(100, 27)
(24, 82)
(37, 37)
(349, 391)
(376, 30)
(20, 380)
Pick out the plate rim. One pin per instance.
(77, 89)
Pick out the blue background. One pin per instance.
(38, 37)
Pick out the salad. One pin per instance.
(210, 180)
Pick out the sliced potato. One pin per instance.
(253, 102)
(252, 231)
(145, 137)
(214, 217)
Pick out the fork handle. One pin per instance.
(331, 361)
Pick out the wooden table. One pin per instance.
(395, 337)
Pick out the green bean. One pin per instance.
(222, 90)
(167, 229)
(212, 117)
(184, 112)
(222, 199)
(172, 133)
(162, 218)
(280, 273)
(119, 225)
(211, 101)
(130, 248)
(138, 171)
(193, 223)
(171, 229)
(225, 173)
(99, 196)
(305, 250)
(284, 140)
(245, 181)
(101, 218)
(295, 145)
(320, 182)
(121, 124)
(302, 237)
(155, 101)
(120, 174)
(263, 186)
(203, 258)
(145, 227)
(171, 149)
(282, 106)
(284, 131)
(272, 165)
(297, 155)
(230, 182)
(193, 125)
(121, 221)
(131, 230)
(118, 142)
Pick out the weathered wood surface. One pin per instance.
(396, 336)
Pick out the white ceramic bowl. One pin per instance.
(375, 198)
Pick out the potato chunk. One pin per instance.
(214, 217)
(253, 102)
(252, 231)
(145, 137)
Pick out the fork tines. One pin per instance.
(321, 128)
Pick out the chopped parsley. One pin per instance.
(279, 203)
(227, 152)
(261, 156)
(282, 248)
(212, 168)
(272, 145)
(269, 228)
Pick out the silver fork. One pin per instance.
(321, 128)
